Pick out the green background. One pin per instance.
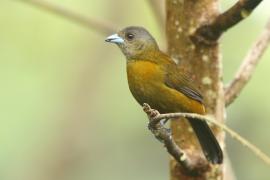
(65, 108)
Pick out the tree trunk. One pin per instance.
(204, 65)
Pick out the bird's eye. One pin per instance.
(130, 36)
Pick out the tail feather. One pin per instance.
(208, 142)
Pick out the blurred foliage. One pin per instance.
(66, 112)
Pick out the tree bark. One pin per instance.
(203, 63)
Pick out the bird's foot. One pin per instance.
(164, 122)
(152, 125)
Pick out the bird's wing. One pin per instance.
(180, 82)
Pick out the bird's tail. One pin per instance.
(208, 142)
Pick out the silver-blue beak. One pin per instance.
(114, 39)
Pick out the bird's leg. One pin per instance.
(164, 121)
(155, 125)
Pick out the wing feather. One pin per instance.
(180, 82)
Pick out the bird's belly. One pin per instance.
(164, 99)
(146, 84)
(144, 78)
(143, 90)
(151, 92)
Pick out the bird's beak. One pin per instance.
(114, 39)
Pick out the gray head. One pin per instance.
(135, 42)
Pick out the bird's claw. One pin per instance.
(163, 122)
(152, 125)
(168, 130)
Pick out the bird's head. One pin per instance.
(135, 42)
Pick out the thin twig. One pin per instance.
(164, 135)
(158, 117)
(97, 25)
(210, 33)
(248, 66)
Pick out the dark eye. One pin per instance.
(130, 36)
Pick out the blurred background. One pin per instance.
(65, 109)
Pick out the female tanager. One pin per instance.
(154, 78)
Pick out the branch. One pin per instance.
(164, 135)
(97, 25)
(156, 118)
(210, 33)
(248, 66)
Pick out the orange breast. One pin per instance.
(146, 83)
(143, 70)
(144, 78)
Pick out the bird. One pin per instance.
(154, 78)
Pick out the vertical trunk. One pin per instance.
(204, 65)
